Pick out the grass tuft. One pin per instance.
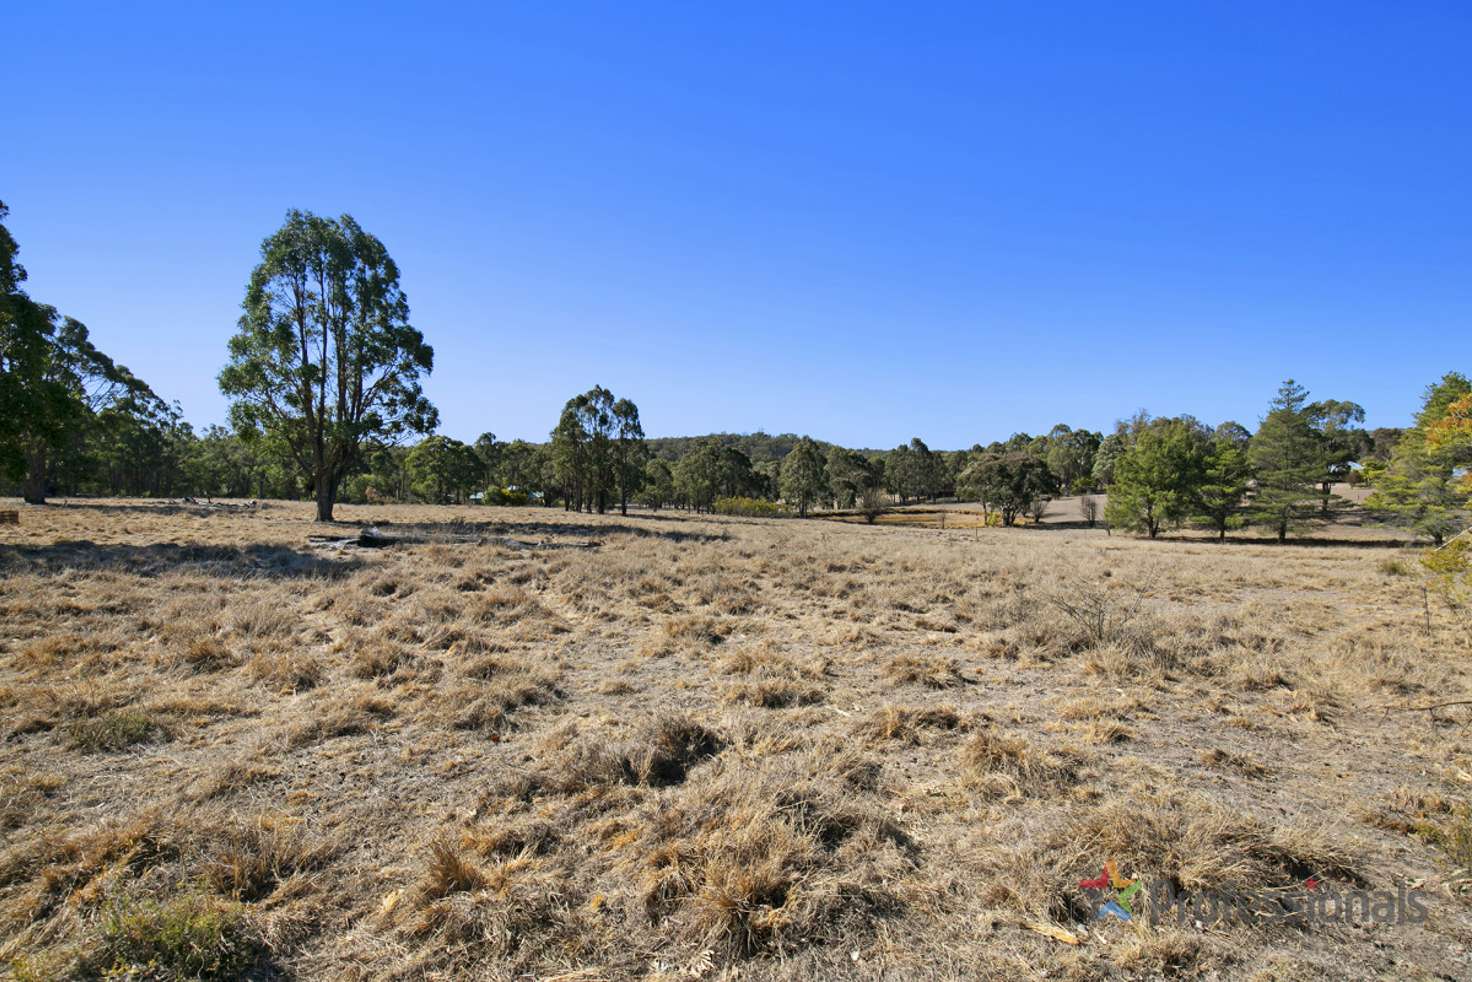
(117, 730)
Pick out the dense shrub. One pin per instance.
(753, 507)
(505, 496)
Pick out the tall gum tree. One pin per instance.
(53, 382)
(325, 360)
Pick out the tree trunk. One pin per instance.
(34, 489)
(324, 498)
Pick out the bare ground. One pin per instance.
(523, 743)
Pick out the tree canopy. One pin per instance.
(1158, 476)
(56, 387)
(443, 469)
(1009, 482)
(804, 477)
(325, 359)
(598, 450)
(1420, 487)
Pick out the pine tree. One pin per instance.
(1219, 499)
(1288, 456)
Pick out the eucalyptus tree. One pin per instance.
(849, 474)
(913, 470)
(569, 454)
(697, 475)
(1340, 428)
(488, 451)
(629, 451)
(1011, 482)
(443, 468)
(54, 382)
(1070, 456)
(325, 359)
(598, 449)
(803, 475)
(658, 486)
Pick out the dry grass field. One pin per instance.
(529, 744)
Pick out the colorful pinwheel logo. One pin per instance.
(1117, 892)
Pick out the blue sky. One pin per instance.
(956, 222)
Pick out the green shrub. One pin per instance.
(505, 496)
(751, 507)
(1451, 577)
(1451, 561)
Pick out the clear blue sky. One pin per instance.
(956, 222)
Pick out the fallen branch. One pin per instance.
(1428, 708)
(1460, 535)
(524, 544)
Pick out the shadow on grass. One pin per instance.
(460, 530)
(200, 509)
(1234, 539)
(226, 562)
(1272, 540)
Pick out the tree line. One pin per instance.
(325, 377)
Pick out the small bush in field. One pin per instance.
(873, 503)
(1451, 576)
(506, 496)
(750, 507)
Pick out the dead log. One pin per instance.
(367, 538)
(510, 543)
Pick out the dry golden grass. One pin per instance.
(523, 743)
